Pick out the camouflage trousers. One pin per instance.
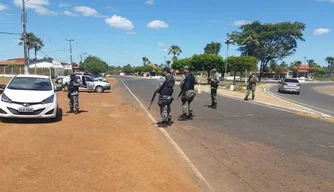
(165, 109)
(213, 96)
(186, 99)
(74, 102)
(252, 88)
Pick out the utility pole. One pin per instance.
(70, 41)
(24, 34)
(228, 41)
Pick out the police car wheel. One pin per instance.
(99, 89)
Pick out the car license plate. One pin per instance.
(26, 110)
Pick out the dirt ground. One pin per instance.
(110, 146)
(328, 90)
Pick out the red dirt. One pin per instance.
(101, 149)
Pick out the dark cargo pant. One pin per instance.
(74, 102)
(213, 96)
(165, 109)
(186, 99)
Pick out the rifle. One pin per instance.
(154, 94)
(179, 94)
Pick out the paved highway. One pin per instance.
(243, 146)
(309, 97)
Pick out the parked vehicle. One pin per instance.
(289, 85)
(30, 96)
(88, 83)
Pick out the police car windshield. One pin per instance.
(30, 83)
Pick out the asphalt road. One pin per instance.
(309, 97)
(244, 147)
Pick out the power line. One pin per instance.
(10, 33)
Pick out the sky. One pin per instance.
(121, 32)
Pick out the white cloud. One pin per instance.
(86, 11)
(241, 22)
(3, 7)
(157, 24)
(119, 22)
(321, 31)
(329, 1)
(161, 44)
(69, 13)
(165, 50)
(149, 2)
(37, 5)
(64, 5)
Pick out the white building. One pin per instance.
(49, 63)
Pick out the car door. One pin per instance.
(90, 83)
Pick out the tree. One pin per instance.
(212, 48)
(268, 41)
(206, 62)
(330, 61)
(128, 69)
(146, 61)
(273, 66)
(312, 63)
(95, 65)
(281, 68)
(180, 63)
(33, 42)
(240, 64)
(168, 63)
(175, 50)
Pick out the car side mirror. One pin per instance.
(58, 89)
(2, 86)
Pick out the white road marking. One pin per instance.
(171, 141)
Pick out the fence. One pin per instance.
(15, 70)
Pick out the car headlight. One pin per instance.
(48, 100)
(6, 99)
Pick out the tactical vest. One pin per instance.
(72, 88)
(214, 84)
(167, 87)
(189, 83)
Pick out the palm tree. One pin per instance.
(330, 61)
(33, 42)
(145, 61)
(175, 50)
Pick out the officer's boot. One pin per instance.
(76, 111)
(214, 106)
(183, 117)
(246, 98)
(71, 110)
(190, 116)
(163, 123)
(170, 122)
(253, 96)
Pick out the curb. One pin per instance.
(314, 112)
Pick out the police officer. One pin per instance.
(73, 94)
(251, 86)
(214, 82)
(165, 90)
(187, 85)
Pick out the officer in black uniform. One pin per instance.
(187, 85)
(73, 94)
(165, 90)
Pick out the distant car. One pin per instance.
(88, 83)
(289, 85)
(30, 96)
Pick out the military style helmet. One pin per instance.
(214, 70)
